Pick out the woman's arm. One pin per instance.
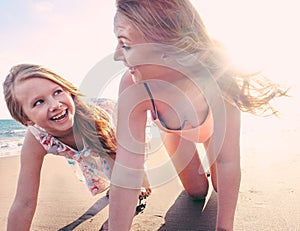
(24, 205)
(228, 167)
(128, 171)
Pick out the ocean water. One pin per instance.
(12, 136)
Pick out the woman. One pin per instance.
(179, 73)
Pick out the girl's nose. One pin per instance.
(54, 104)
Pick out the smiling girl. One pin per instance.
(61, 123)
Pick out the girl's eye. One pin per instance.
(38, 102)
(57, 92)
(125, 47)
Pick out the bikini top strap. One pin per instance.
(154, 113)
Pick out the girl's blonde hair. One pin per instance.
(177, 23)
(90, 121)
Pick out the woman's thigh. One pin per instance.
(186, 160)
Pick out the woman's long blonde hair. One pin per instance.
(177, 23)
(90, 121)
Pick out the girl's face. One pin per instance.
(46, 104)
(135, 57)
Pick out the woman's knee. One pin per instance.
(197, 189)
(198, 194)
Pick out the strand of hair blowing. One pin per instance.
(95, 127)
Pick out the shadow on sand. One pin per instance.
(184, 215)
(191, 215)
(92, 211)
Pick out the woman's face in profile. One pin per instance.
(138, 54)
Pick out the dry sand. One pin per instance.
(269, 196)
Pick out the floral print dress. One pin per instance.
(95, 168)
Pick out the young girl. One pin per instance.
(61, 123)
(178, 72)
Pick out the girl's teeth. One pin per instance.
(62, 115)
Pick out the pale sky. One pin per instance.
(71, 36)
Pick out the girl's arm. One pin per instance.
(128, 171)
(24, 205)
(228, 167)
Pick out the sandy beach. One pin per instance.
(269, 196)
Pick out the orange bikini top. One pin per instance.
(197, 134)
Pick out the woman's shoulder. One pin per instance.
(233, 116)
(231, 108)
